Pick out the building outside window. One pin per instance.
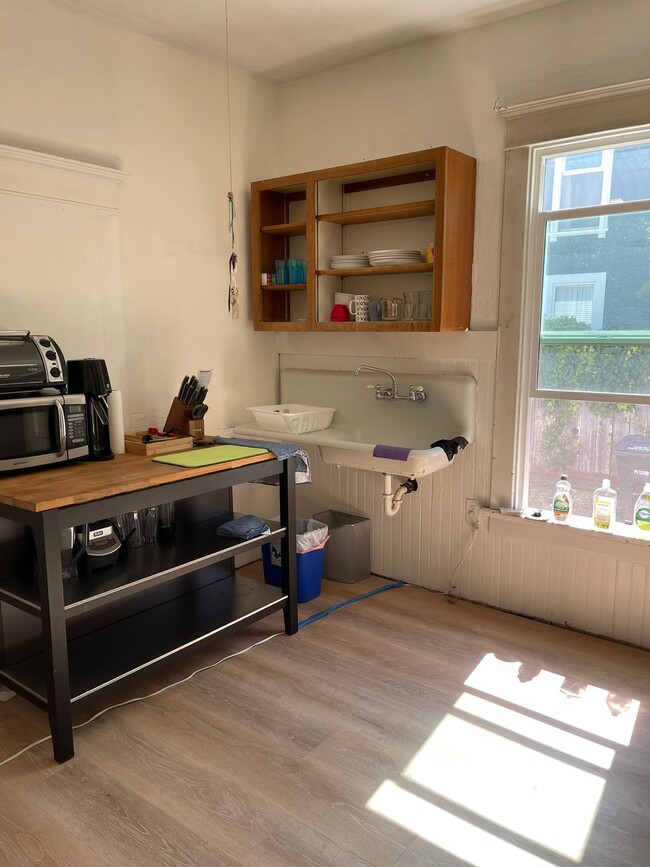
(585, 370)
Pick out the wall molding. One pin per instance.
(31, 173)
(579, 97)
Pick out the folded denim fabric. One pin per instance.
(247, 527)
(280, 450)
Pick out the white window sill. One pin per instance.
(620, 542)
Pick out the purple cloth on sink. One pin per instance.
(393, 453)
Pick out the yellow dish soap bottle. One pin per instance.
(604, 506)
(562, 499)
(642, 513)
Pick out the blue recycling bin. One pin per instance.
(309, 570)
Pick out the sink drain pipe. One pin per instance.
(393, 501)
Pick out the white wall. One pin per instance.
(443, 92)
(78, 88)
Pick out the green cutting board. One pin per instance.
(204, 457)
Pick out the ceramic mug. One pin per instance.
(340, 313)
(359, 307)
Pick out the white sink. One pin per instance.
(363, 425)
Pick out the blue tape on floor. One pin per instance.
(327, 611)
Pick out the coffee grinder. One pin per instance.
(89, 376)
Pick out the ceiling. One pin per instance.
(283, 40)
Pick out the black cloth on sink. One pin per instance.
(450, 447)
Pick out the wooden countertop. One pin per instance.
(84, 481)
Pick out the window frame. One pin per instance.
(533, 281)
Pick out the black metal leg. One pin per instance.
(55, 645)
(288, 545)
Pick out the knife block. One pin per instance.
(179, 419)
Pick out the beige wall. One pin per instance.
(78, 88)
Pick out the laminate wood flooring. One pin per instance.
(401, 730)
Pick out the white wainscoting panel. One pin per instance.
(560, 576)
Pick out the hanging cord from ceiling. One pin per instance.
(233, 292)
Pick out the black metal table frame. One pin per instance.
(46, 528)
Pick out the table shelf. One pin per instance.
(120, 650)
(192, 547)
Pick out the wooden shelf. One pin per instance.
(289, 229)
(419, 268)
(394, 325)
(115, 652)
(431, 191)
(284, 287)
(407, 211)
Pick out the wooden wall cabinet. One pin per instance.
(400, 202)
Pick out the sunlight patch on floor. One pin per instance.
(546, 801)
(541, 732)
(579, 705)
(448, 832)
(542, 799)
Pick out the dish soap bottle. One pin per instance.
(604, 506)
(562, 499)
(642, 513)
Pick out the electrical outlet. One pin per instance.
(472, 511)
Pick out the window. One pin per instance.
(578, 181)
(585, 375)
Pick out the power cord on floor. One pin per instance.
(303, 623)
(143, 697)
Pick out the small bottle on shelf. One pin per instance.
(604, 506)
(562, 502)
(642, 513)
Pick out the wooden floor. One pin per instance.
(532, 747)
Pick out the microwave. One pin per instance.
(40, 430)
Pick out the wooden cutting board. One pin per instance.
(159, 446)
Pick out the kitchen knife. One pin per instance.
(186, 379)
(202, 393)
(187, 391)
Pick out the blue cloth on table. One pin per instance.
(280, 450)
(247, 527)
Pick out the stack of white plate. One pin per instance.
(356, 260)
(382, 258)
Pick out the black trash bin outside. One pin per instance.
(632, 455)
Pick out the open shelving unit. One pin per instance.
(403, 202)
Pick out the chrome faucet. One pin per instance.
(416, 392)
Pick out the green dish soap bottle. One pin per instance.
(562, 503)
(642, 513)
(604, 506)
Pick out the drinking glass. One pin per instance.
(130, 526)
(166, 520)
(149, 520)
(280, 271)
(391, 309)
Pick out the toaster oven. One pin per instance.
(30, 362)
